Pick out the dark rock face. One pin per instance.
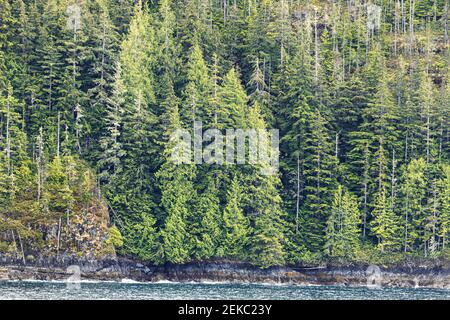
(117, 269)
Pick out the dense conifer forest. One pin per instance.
(91, 90)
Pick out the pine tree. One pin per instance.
(413, 194)
(343, 232)
(6, 193)
(71, 99)
(168, 49)
(206, 227)
(431, 228)
(133, 154)
(232, 102)
(307, 148)
(385, 223)
(177, 193)
(58, 199)
(142, 238)
(110, 161)
(375, 137)
(427, 128)
(139, 116)
(102, 63)
(137, 56)
(348, 106)
(195, 23)
(443, 109)
(197, 90)
(235, 224)
(13, 142)
(319, 180)
(267, 237)
(444, 217)
(261, 94)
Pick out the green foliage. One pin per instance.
(115, 237)
(57, 197)
(235, 224)
(206, 225)
(385, 224)
(141, 239)
(362, 110)
(343, 232)
(197, 89)
(177, 192)
(444, 195)
(413, 209)
(232, 102)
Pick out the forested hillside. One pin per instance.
(90, 92)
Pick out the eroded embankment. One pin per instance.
(118, 269)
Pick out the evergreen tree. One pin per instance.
(105, 43)
(110, 161)
(385, 223)
(413, 195)
(319, 181)
(168, 49)
(342, 231)
(444, 217)
(232, 102)
(132, 124)
(267, 238)
(206, 227)
(58, 198)
(142, 239)
(261, 94)
(197, 90)
(137, 63)
(235, 224)
(177, 193)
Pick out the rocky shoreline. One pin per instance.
(119, 269)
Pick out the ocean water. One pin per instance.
(51, 290)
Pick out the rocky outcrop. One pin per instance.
(118, 269)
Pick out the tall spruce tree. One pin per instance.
(206, 224)
(267, 238)
(384, 225)
(444, 217)
(235, 224)
(176, 177)
(342, 231)
(413, 194)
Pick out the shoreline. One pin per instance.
(124, 270)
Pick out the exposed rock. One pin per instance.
(117, 269)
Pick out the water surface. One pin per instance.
(203, 291)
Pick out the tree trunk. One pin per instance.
(21, 248)
(298, 195)
(58, 239)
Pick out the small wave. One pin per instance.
(165, 282)
(215, 282)
(274, 284)
(97, 281)
(130, 281)
(42, 281)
